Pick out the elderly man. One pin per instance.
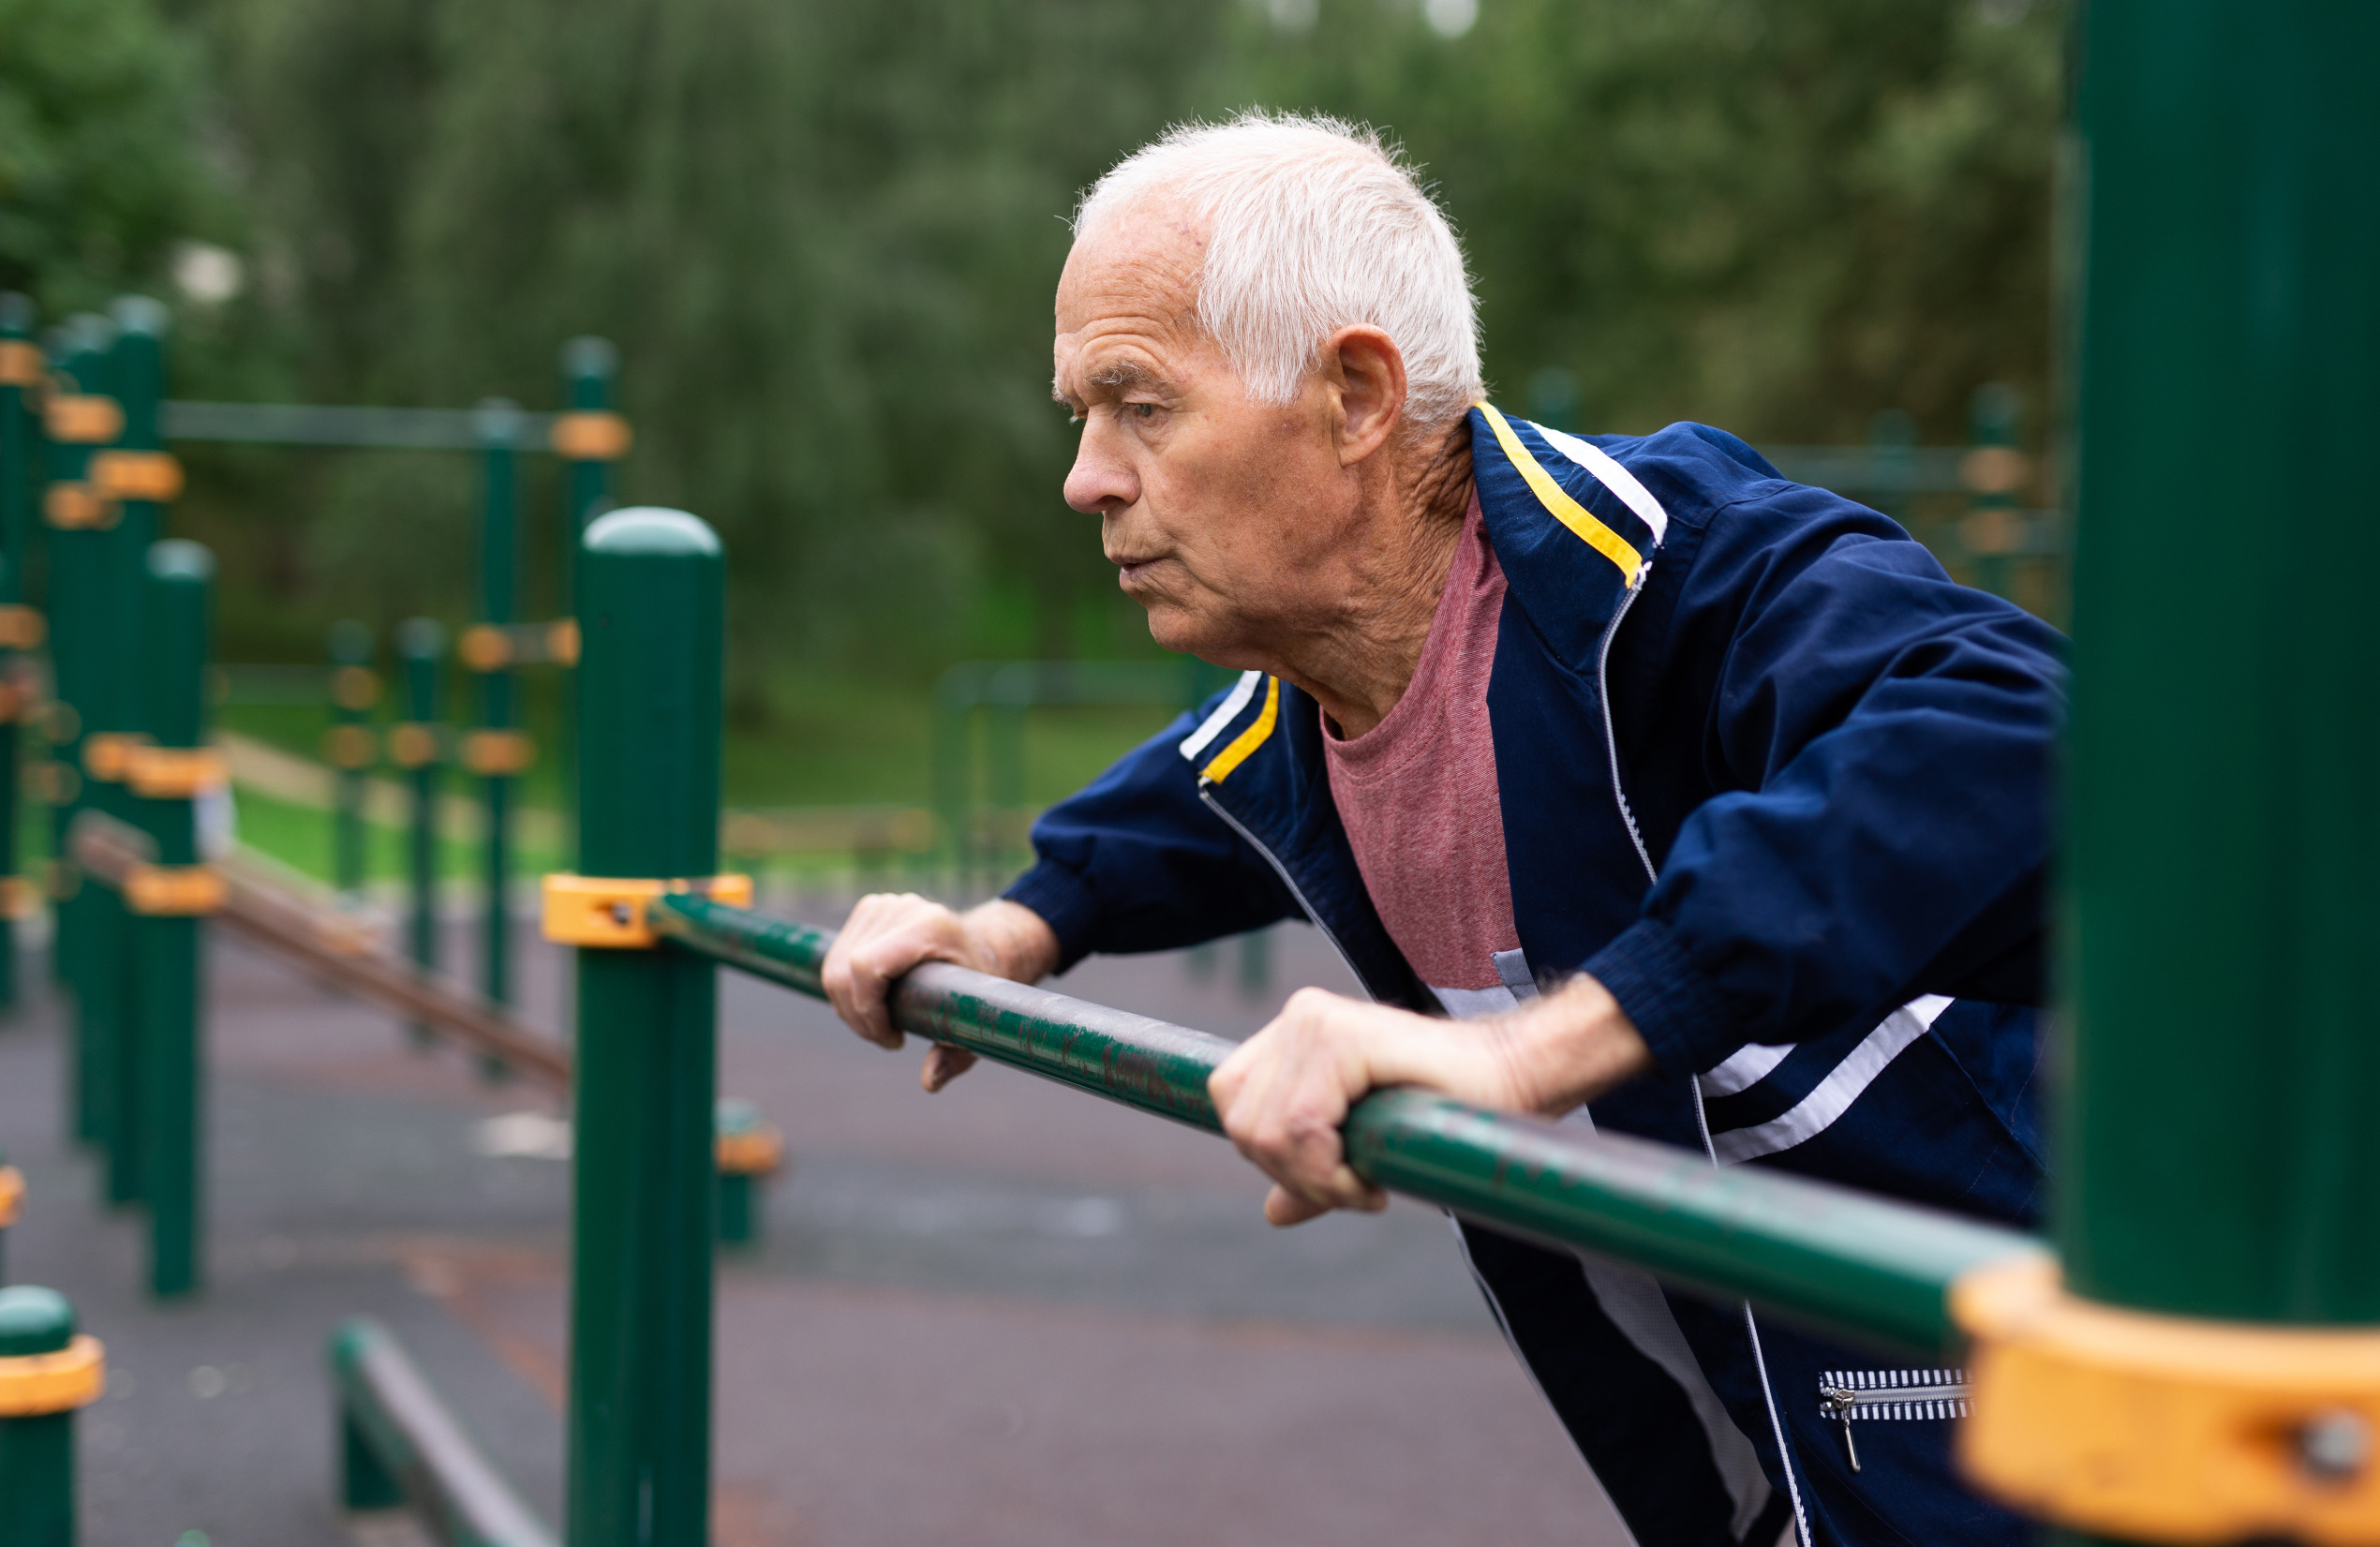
(1639, 787)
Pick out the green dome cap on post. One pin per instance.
(34, 1321)
(652, 529)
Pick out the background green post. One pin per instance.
(650, 609)
(36, 1453)
(421, 652)
(17, 443)
(499, 427)
(122, 709)
(2219, 1157)
(1995, 527)
(79, 355)
(589, 367)
(166, 947)
(353, 688)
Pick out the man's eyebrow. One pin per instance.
(1114, 376)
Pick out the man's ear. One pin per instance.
(1366, 372)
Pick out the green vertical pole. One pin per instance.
(651, 608)
(166, 946)
(80, 354)
(140, 382)
(2219, 1157)
(421, 650)
(1993, 524)
(1892, 450)
(589, 367)
(20, 369)
(353, 690)
(36, 1451)
(499, 427)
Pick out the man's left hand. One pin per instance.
(1284, 1093)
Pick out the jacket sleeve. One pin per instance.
(1138, 862)
(1883, 739)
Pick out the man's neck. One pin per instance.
(1357, 666)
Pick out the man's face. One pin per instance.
(1226, 518)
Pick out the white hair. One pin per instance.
(1312, 225)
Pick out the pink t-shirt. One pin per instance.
(1417, 794)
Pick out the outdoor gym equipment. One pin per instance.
(46, 1372)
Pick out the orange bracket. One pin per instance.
(21, 628)
(609, 914)
(2164, 1428)
(591, 436)
(174, 773)
(31, 1385)
(76, 507)
(350, 746)
(135, 475)
(81, 419)
(19, 363)
(106, 754)
(498, 754)
(11, 1194)
(173, 891)
(755, 1152)
(415, 745)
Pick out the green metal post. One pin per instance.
(81, 355)
(589, 367)
(421, 649)
(355, 689)
(1994, 526)
(166, 946)
(37, 1452)
(651, 612)
(1891, 448)
(122, 711)
(20, 369)
(739, 1188)
(2219, 1157)
(500, 426)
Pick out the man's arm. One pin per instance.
(1135, 862)
(1890, 732)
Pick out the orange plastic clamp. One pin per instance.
(173, 891)
(22, 627)
(31, 1385)
(484, 647)
(81, 419)
(12, 1194)
(106, 754)
(174, 773)
(1995, 470)
(2165, 1428)
(14, 701)
(561, 642)
(76, 507)
(135, 475)
(412, 745)
(498, 754)
(756, 1151)
(591, 436)
(19, 898)
(350, 746)
(355, 686)
(609, 913)
(19, 363)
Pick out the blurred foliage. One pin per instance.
(825, 238)
(99, 165)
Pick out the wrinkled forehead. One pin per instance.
(1130, 284)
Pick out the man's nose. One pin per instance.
(1100, 481)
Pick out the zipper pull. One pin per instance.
(1836, 1402)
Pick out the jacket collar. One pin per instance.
(1573, 530)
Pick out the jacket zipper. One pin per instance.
(1206, 793)
(1899, 1395)
(1610, 738)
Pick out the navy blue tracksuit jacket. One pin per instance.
(1781, 784)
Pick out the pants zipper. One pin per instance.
(1893, 1395)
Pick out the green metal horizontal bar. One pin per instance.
(1868, 1269)
(363, 426)
(417, 1445)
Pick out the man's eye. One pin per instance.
(1143, 411)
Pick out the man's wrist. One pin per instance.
(1018, 943)
(1569, 1047)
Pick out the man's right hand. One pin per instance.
(887, 935)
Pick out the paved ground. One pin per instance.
(1009, 1314)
